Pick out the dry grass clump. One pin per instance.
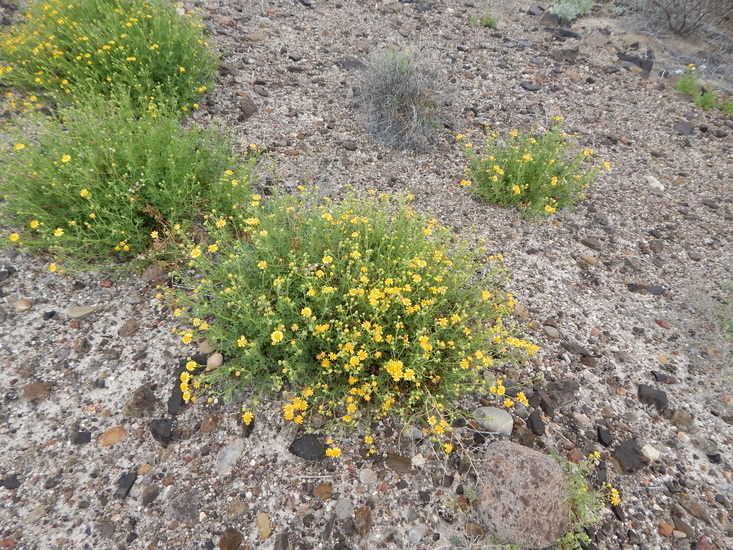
(398, 93)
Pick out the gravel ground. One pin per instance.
(625, 292)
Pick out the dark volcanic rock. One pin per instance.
(308, 447)
(652, 396)
(535, 423)
(124, 484)
(162, 430)
(629, 456)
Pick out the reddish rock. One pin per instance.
(664, 323)
(113, 436)
(665, 529)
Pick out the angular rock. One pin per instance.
(150, 493)
(629, 456)
(308, 447)
(592, 243)
(282, 541)
(400, 464)
(363, 520)
(113, 436)
(162, 430)
(80, 438)
(604, 436)
(535, 423)
(185, 507)
(141, 404)
(129, 328)
(652, 396)
(563, 392)
(264, 527)
(530, 86)
(524, 495)
(35, 392)
(494, 420)
(124, 484)
(80, 312)
(247, 107)
(231, 539)
(152, 272)
(228, 456)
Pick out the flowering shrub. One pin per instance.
(531, 171)
(80, 47)
(98, 180)
(359, 308)
(702, 96)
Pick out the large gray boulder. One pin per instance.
(523, 496)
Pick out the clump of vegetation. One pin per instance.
(586, 501)
(569, 10)
(398, 93)
(486, 20)
(685, 17)
(97, 181)
(532, 171)
(359, 309)
(91, 47)
(702, 96)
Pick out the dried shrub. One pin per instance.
(685, 17)
(398, 93)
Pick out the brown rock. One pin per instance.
(363, 520)
(130, 327)
(323, 491)
(35, 392)
(113, 436)
(209, 424)
(524, 497)
(22, 305)
(665, 529)
(152, 272)
(248, 107)
(399, 464)
(141, 404)
(231, 539)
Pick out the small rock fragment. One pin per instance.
(80, 312)
(228, 456)
(363, 520)
(129, 328)
(162, 430)
(399, 464)
(35, 392)
(216, 360)
(124, 484)
(231, 539)
(22, 305)
(141, 404)
(263, 526)
(652, 396)
(113, 436)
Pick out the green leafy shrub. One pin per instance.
(586, 501)
(569, 10)
(359, 308)
(398, 93)
(97, 180)
(83, 47)
(531, 171)
(702, 96)
(687, 83)
(486, 20)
